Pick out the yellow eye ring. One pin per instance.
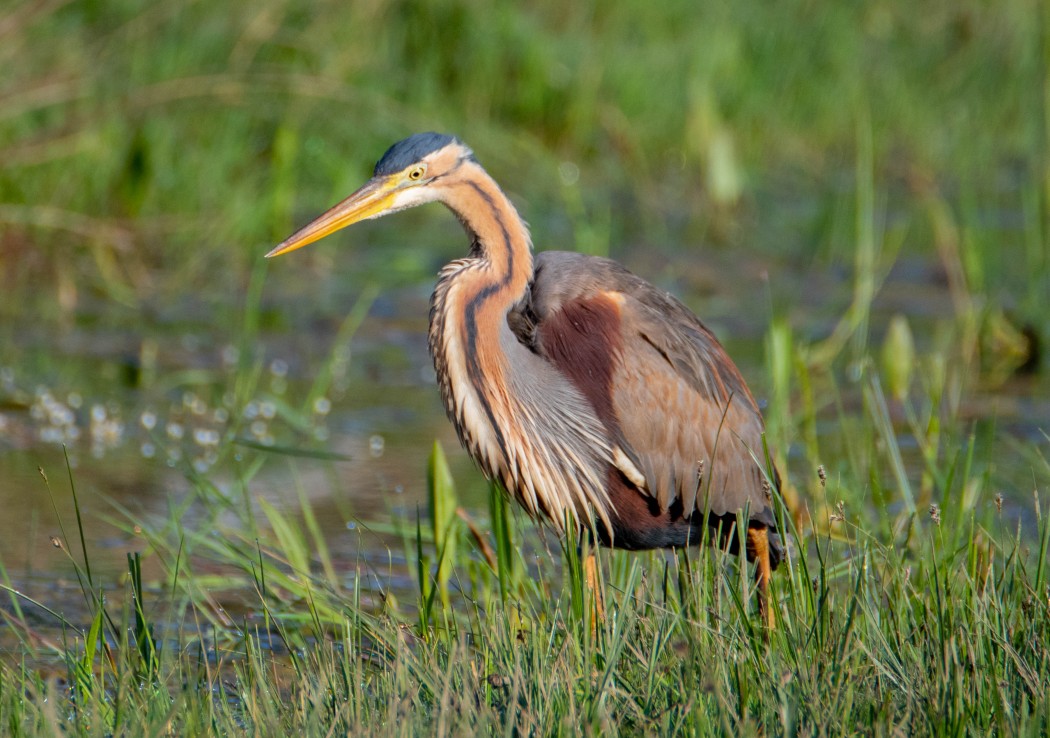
(417, 173)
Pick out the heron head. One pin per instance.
(412, 172)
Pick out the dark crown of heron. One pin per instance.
(407, 152)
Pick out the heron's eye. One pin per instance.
(417, 173)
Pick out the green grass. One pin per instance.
(912, 602)
(152, 153)
(933, 623)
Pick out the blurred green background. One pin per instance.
(154, 149)
(799, 172)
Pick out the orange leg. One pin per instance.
(593, 583)
(758, 544)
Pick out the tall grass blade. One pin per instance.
(502, 531)
(443, 504)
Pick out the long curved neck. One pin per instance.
(499, 237)
(469, 334)
(521, 420)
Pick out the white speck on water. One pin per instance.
(375, 445)
(206, 437)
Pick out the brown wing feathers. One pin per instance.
(626, 345)
(584, 340)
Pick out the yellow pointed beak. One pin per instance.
(370, 201)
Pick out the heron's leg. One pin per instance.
(590, 577)
(758, 544)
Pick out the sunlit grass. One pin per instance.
(918, 612)
(940, 630)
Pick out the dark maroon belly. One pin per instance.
(639, 524)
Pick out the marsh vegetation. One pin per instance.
(243, 523)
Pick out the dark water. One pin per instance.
(141, 413)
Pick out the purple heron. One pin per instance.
(600, 403)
